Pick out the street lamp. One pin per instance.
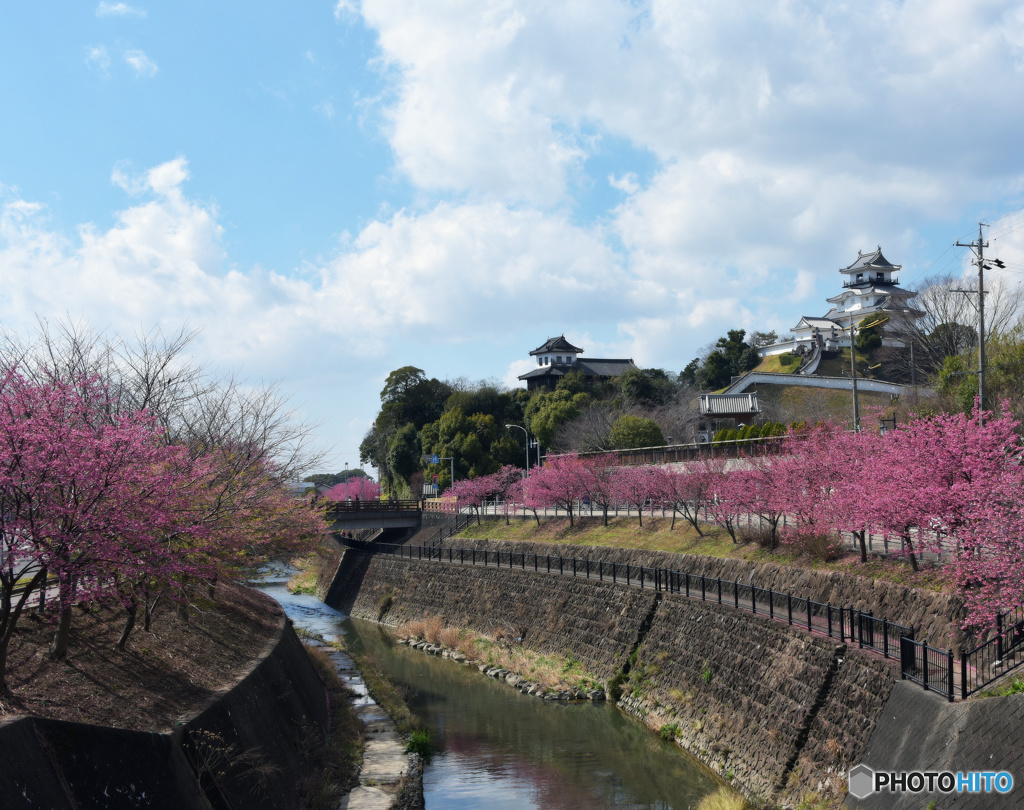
(527, 437)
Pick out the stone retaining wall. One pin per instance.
(597, 622)
(935, 617)
(277, 714)
(774, 710)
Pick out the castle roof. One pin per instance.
(870, 261)
(556, 344)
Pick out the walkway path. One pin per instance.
(384, 759)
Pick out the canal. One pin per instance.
(497, 748)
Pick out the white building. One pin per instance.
(870, 286)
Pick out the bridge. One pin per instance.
(383, 514)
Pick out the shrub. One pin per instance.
(449, 638)
(432, 630)
(816, 545)
(419, 743)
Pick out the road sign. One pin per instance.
(434, 459)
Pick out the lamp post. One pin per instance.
(526, 436)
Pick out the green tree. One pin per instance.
(730, 358)
(635, 431)
(647, 388)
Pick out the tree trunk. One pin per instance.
(913, 556)
(182, 611)
(863, 545)
(148, 618)
(133, 609)
(211, 588)
(10, 622)
(41, 607)
(59, 647)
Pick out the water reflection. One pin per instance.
(497, 748)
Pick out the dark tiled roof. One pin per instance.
(556, 344)
(605, 368)
(728, 404)
(588, 368)
(547, 371)
(872, 259)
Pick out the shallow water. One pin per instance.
(497, 748)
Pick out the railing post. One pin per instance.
(860, 629)
(719, 590)
(789, 607)
(771, 604)
(627, 575)
(474, 556)
(949, 673)
(549, 563)
(999, 637)
(687, 584)
(600, 570)
(828, 610)
(963, 674)
(753, 599)
(420, 551)
(703, 588)
(885, 638)
(535, 566)
(561, 564)
(574, 566)
(641, 576)
(588, 567)
(808, 600)
(924, 668)
(614, 572)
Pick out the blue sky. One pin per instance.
(329, 191)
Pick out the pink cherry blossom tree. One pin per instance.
(558, 483)
(640, 486)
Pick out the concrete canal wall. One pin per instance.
(276, 715)
(778, 713)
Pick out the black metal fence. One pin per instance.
(992, 659)
(928, 666)
(845, 623)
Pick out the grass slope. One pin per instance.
(656, 534)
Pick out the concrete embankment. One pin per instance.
(250, 747)
(773, 710)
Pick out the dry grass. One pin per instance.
(723, 799)
(552, 672)
(337, 763)
(305, 577)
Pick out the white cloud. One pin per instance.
(118, 10)
(502, 99)
(98, 59)
(140, 63)
(344, 8)
(326, 109)
(627, 183)
(511, 376)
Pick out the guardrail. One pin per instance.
(374, 506)
(845, 623)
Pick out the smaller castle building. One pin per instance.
(557, 357)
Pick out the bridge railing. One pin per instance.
(394, 505)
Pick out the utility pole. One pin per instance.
(979, 250)
(853, 375)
